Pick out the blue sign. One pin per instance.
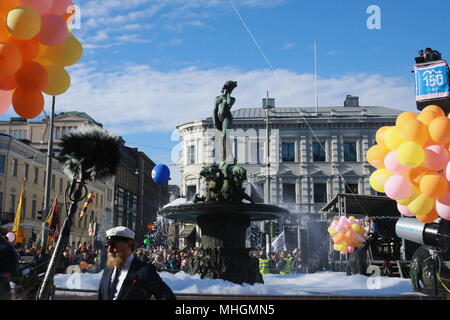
(432, 81)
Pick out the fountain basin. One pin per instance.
(190, 213)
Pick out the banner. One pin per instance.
(432, 81)
(17, 228)
(279, 243)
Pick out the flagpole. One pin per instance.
(48, 178)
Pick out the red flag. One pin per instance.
(53, 222)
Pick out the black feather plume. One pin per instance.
(90, 153)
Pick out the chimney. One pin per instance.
(351, 101)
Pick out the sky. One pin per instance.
(150, 65)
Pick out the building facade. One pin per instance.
(134, 197)
(21, 165)
(312, 155)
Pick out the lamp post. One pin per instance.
(267, 106)
(48, 178)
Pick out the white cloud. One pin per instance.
(137, 98)
(288, 45)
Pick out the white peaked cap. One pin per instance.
(120, 232)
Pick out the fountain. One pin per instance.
(221, 213)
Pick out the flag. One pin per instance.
(53, 222)
(17, 228)
(279, 243)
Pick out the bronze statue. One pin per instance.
(223, 118)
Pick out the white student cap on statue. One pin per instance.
(120, 231)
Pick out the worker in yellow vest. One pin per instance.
(285, 264)
(263, 264)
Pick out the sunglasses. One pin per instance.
(113, 242)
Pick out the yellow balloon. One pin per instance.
(355, 227)
(421, 205)
(392, 138)
(65, 54)
(378, 179)
(415, 193)
(58, 80)
(410, 154)
(331, 230)
(23, 22)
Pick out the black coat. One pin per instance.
(141, 283)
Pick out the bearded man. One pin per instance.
(126, 277)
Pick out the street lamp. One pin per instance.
(268, 104)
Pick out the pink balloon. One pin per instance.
(391, 163)
(11, 237)
(5, 100)
(41, 6)
(436, 158)
(60, 6)
(53, 31)
(404, 211)
(398, 187)
(334, 224)
(339, 228)
(350, 249)
(443, 206)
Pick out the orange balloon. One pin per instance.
(415, 131)
(10, 59)
(429, 217)
(28, 48)
(32, 76)
(380, 135)
(433, 185)
(8, 82)
(6, 5)
(4, 33)
(416, 174)
(439, 130)
(376, 154)
(436, 109)
(28, 104)
(427, 116)
(403, 118)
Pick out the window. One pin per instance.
(288, 154)
(27, 168)
(53, 182)
(318, 152)
(33, 209)
(289, 193)
(192, 155)
(190, 192)
(350, 151)
(12, 203)
(58, 133)
(351, 188)
(45, 175)
(2, 164)
(25, 134)
(320, 193)
(24, 207)
(15, 164)
(36, 175)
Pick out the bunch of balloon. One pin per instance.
(412, 162)
(35, 47)
(347, 234)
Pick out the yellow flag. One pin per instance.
(17, 228)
